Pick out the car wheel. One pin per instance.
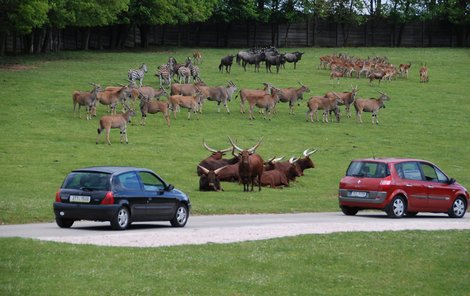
(458, 208)
(397, 208)
(181, 216)
(64, 223)
(121, 220)
(349, 211)
(411, 214)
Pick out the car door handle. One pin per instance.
(430, 186)
(409, 185)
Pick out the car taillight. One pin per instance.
(57, 196)
(108, 199)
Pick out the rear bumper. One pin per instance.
(376, 199)
(85, 212)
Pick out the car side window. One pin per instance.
(127, 181)
(429, 172)
(409, 170)
(151, 182)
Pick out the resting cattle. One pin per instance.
(370, 105)
(209, 180)
(274, 179)
(306, 162)
(289, 168)
(250, 167)
(215, 160)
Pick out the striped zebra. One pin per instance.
(184, 74)
(137, 74)
(164, 74)
(195, 73)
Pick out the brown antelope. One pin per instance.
(404, 69)
(112, 97)
(266, 102)
(346, 98)
(245, 93)
(191, 103)
(87, 99)
(370, 105)
(107, 122)
(292, 94)
(148, 106)
(322, 103)
(423, 74)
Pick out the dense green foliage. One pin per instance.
(42, 140)
(391, 263)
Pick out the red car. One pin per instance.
(400, 187)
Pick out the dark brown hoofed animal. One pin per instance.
(306, 162)
(215, 160)
(209, 180)
(250, 167)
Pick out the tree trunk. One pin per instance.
(47, 44)
(144, 30)
(86, 38)
(287, 34)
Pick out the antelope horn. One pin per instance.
(207, 147)
(252, 149)
(235, 146)
(206, 171)
(308, 153)
(336, 95)
(301, 84)
(381, 92)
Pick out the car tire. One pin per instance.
(181, 216)
(63, 222)
(121, 220)
(397, 208)
(349, 211)
(411, 214)
(458, 208)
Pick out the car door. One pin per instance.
(411, 181)
(439, 191)
(161, 204)
(127, 186)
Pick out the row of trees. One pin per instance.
(38, 22)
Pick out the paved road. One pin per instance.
(229, 228)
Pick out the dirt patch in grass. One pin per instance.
(15, 67)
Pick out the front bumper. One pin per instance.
(85, 212)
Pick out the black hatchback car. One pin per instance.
(120, 195)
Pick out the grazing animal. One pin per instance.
(253, 59)
(292, 94)
(215, 160)
(346, 98)
(274, 59)
(184, 74)
(189, 102)
(111, 97)
(138, 74)
(220, 94)
(264, 101)
(274, 179)
(107, 122)
(322, 103)
(185, 89)
(197, 55)
(337, 73)
(209, 180)
(289, 168)
(423, 74)
(294, 57)
(250, 167)
(370, 105)
(404, 69)
(226, 62)
(245, 93)
(379, 75)
(87, 99)
(164, 74)
(148, 106)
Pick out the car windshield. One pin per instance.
(87, 181)
(368, 169)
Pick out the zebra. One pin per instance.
(184, 74)
(164, 74)
(137, 74)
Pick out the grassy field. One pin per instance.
(42, 140)
(390, 263)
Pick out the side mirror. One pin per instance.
(170, 187)
(451, 181)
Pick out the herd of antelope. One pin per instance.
(375, 68)
(181, 93)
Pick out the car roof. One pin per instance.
(111, 169)
(390, 159)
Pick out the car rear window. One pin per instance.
(368, 169)
(87, 181)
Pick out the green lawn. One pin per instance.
(389, 263)
(42, 141)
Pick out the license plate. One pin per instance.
(80, 198)
(360, 194)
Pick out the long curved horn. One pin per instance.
(206, 171)
(293, 159)
(234, 145)
(381, 92)
(308, 153)
(219, 169)
(301, 84)
(278, 159)
(336, 95)
(207, 147)
(252, 149)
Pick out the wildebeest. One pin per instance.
(253, 59)
(250, 167)
(294, 57)
(209, 180)
(274, 59)
(226, 62)
(370, 105)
